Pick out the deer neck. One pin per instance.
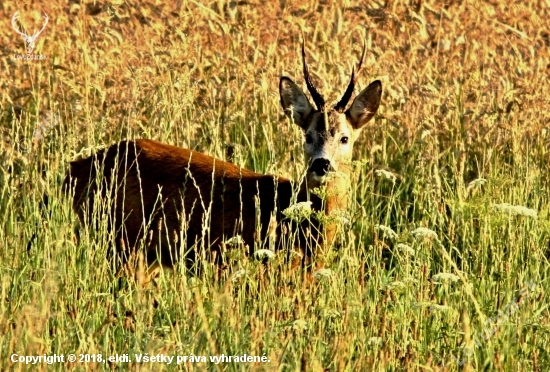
(330, 197)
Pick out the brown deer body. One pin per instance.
(165, 194)
(153, 178)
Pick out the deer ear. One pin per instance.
(364, 106)
(294, 102)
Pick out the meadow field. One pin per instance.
(444, 264)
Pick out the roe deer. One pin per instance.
(163, 192)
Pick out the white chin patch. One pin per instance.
(319, 178)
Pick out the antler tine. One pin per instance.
(14, 25)
(341, 106)
(45, 23)
(317, 98)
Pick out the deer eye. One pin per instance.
(344, 140)
(309, 139)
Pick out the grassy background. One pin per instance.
(462, 127)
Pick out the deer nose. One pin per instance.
(320, 167)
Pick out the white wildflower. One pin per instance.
(342, 220)
(234, 241)
(476, 183)
(264, 253)
(405, 249)
(323, 273)
(238, 274)
(299, 325)
(331, 313)
(340, 217)
(386, 174)
(298, 211)
(375, 341)
(515, 210)
(396, 286)
(442, 277)
(422, 232)
(386, 231)
(438, 307)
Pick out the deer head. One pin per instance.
(29, 39)
(329, 132)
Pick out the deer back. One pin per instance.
(165, 193)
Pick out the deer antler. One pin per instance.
(341, 106)
(24, 34)
(317, 98)
(35, 35)
(14, 25)
(29, 39)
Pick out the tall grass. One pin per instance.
(432, 256)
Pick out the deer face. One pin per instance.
(329, 133)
